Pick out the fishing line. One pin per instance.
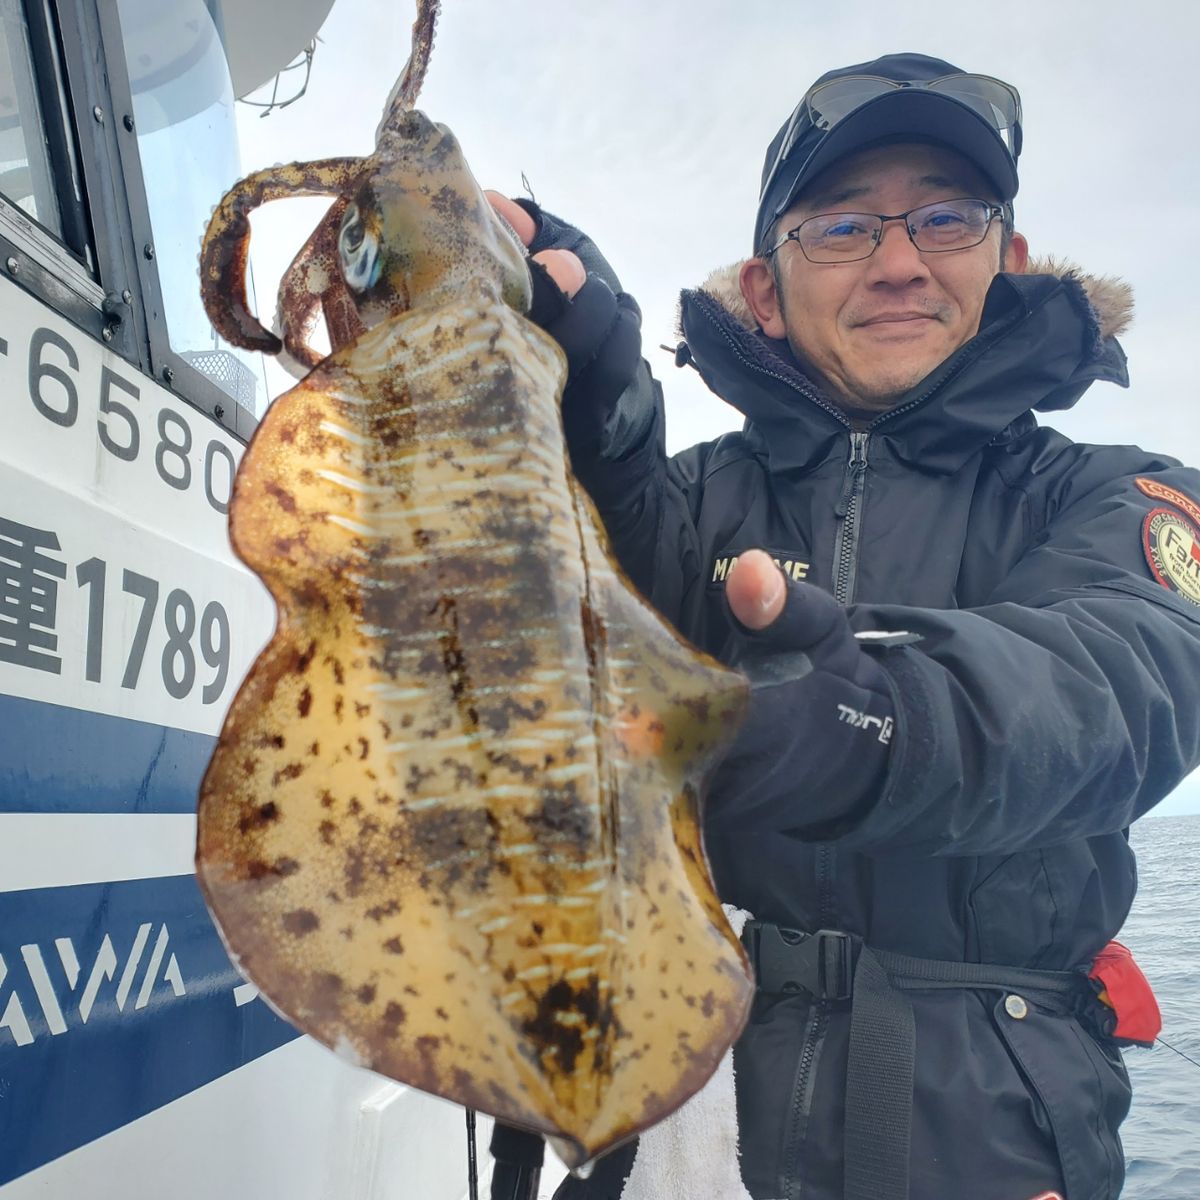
(1181, 1054)
(472, 1158)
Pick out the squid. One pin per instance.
(452, 824)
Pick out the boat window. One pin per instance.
(184, 116)
(26, 177)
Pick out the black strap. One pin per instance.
(918, 974)
(879, 1086)
(834, 966)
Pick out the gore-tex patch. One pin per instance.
(1172, 546)
(1160, 491)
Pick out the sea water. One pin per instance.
(1162, 1132)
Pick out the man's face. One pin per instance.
(872, 329)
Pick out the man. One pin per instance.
(946, 796)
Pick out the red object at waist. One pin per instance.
(1128, 993)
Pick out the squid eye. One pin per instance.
(358, 250)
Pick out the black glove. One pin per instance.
(812, 754)
(553, 233)
(599, 329)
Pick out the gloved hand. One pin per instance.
(578, 301)
(812, 754)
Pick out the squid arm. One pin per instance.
(226, 248)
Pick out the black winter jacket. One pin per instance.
(1052, 698)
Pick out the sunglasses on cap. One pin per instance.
(827, 104)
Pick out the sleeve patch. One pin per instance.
(1160, 491)
(1172, 546)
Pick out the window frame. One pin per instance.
(77, 45)
(60, 140)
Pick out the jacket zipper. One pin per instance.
(791, 1185)
(849, 512)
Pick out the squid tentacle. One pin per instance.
(226, 248)
(312, 284)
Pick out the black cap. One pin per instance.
(916, 112)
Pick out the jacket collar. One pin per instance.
(1044, 338)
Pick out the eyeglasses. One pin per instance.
(997, 102)
(936, 228)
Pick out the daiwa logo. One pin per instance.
(154, 1010)
(139, 975)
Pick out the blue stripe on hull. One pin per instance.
(64, 1081)
(61, 760)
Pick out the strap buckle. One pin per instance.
(820, 964)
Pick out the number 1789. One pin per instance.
(178, 662)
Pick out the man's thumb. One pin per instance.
(756, 590)
(781, 614)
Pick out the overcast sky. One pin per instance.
(646, 123)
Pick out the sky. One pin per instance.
(645, 125)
